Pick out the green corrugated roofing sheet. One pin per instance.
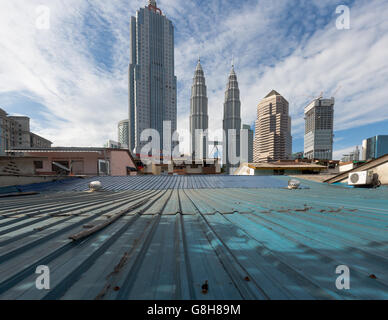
(248, 243)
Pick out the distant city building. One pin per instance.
(38, 141)
(319, 120)
(152, 82)
(273, 140)
(123, 133)
(375, 147)
(15, 133)
(232, 122)
(352, 156)
(111, 144)
(297, 155)
(250, 142)
(184, 167)
(278, 168)
(199, 119)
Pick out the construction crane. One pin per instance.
(336, 91)
(333, 95)
(314, 97)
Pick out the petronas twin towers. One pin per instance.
(153, 94)
(199, 119)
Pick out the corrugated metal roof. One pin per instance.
(160, 183)
(164, 244)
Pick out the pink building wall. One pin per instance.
(119, 160)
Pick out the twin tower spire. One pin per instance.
(199, 119)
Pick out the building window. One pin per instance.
(38, 164)
(103, 167)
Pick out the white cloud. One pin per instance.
(84, 103)
(353, 60)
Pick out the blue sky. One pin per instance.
(72, 79)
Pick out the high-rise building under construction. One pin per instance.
(319, 125)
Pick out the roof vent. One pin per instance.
(95, 186)
(293, 184)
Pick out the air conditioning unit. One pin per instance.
(362, 178)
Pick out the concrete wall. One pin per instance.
(382, 171)
(120, 160)
(346, 167)
(24, 166)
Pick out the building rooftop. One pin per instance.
(163, 237)
(40, 137)
(63, 149)
(365, 165)
(272, 93)
(285, 165)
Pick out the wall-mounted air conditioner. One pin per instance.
(362, 178)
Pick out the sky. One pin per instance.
(71, 76)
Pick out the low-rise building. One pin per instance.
(70, 161)
(377, 167)
(349, 165)
(375, 147)
(279, 168)
(183, 167)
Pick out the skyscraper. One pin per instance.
(318, 139)
(123, 133)
(152, 81)
(232, 122)
(273, 140)
(199, 119)
(249, 143)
